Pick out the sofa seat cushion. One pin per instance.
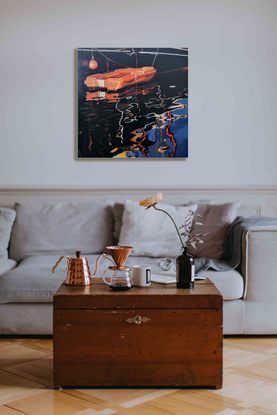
(229, 283)
(33, 282)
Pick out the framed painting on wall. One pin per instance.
(133, 103)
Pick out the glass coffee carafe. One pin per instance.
(117, 277)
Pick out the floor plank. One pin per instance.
(249, 385)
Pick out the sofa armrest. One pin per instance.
(259, 263)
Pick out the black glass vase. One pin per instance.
(185, 270)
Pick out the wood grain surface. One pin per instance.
(140, 339)
(99, 295)
(249, 387)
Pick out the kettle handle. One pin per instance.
(58, 262)
(97, 262)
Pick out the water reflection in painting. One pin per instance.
(133, 102)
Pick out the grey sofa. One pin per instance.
(40, 236)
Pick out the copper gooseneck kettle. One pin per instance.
(78, 272)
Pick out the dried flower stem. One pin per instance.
(177, 230)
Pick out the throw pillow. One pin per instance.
(118, 212)
(7, 217)
(61, 228)
(216, 220)
(151, 233)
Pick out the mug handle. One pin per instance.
(148, 276)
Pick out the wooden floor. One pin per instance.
(250, 385)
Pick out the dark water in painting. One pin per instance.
(143, 120)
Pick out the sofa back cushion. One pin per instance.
(151, 233)
(61, 228)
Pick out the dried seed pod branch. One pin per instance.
(191, 237)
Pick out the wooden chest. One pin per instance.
(156, 336)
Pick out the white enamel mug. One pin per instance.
(141, 276)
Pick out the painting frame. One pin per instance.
(132, 103)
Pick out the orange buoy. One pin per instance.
(93, 64)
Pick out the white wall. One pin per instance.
(232, 87)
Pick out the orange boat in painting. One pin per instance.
(120, 78)
(114, 96)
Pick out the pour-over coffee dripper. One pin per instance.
(119, 275)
